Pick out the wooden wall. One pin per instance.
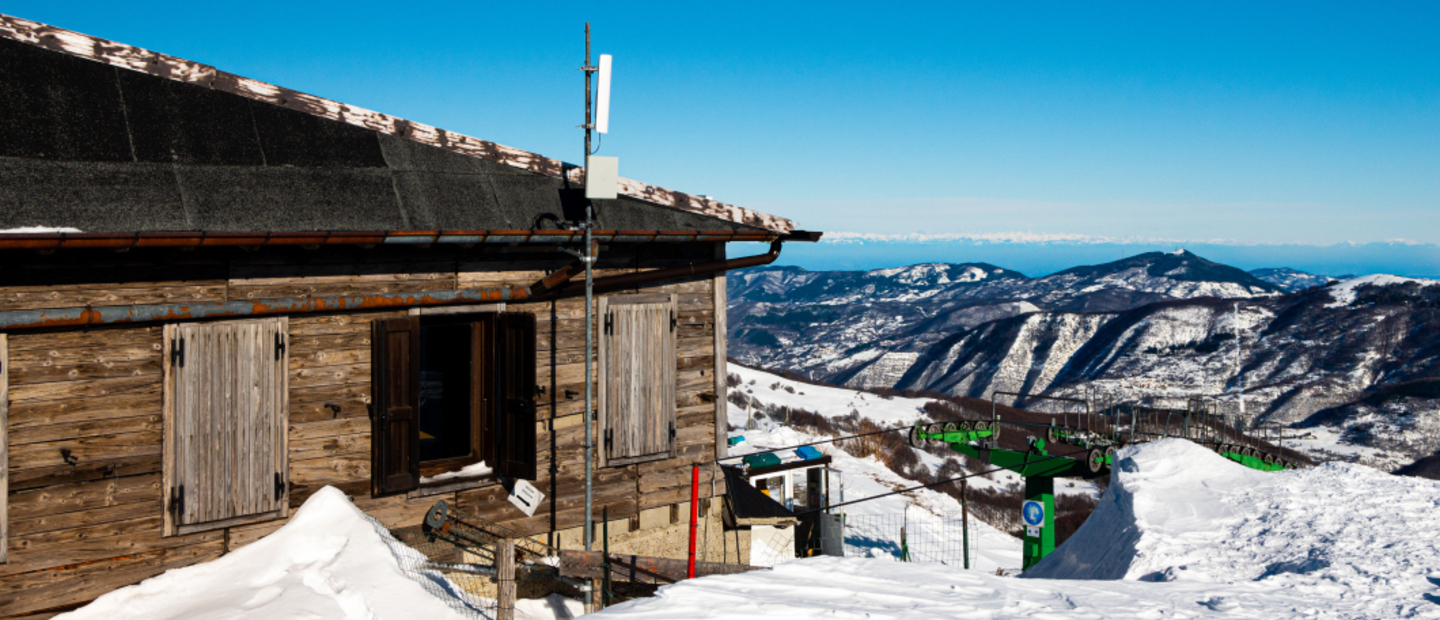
(84, 525)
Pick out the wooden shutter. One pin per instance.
(395, 405)
(515, 383)
(637, 377)
(226, 428)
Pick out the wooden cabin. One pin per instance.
(219, 296)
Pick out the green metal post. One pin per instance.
(1040, 489)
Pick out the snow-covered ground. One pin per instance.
(1344, 292)
(1182, 533)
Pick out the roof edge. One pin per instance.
(170, 67)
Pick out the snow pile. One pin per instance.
(1178, 512)
(329, 561)
(1344, 292)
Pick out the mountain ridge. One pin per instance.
(1117, 329)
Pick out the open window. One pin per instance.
(225, 423)
(637, 377)
(450, 392)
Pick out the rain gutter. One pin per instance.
(125, 241)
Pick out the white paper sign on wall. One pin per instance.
(526, 497)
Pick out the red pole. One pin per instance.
(694, 516)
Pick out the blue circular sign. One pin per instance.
(1034, 513)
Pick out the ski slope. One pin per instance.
(924, 509)
(1181, 533)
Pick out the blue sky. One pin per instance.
(1245, 125)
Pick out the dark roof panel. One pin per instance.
(171, 121)
(73, 99)
(98, 196)
(54, 106)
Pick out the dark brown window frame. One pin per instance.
(502, 408)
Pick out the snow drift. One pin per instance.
(329, 561)
(1178, 512)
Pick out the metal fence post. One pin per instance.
(965, 521)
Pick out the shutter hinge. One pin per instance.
(177, 502)
(609, 439)
(177, 352)
(673, 321)
(279, 486)
(609, 322)
(672, 432)
(279, 348)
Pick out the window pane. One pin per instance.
(444, 392)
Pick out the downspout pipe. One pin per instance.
(554, 286)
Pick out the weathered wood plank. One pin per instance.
(83, 410)
(95, 542)
(48, 589)
(356, 339)
(329, 402)
(239, 292)
(242, 535)
(331, 470)
(85, 471)
(46, 522)
(328, 428)
(107, 294)
(92, 448)
(328, 447)
(318, 324)
(88, 388)
(90, 339)
(85, 428)
(83, 496)
(329, 375)
(329, 357)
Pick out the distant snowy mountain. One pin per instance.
(1155, 329)
(1290, 280)
(829, 323)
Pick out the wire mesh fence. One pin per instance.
(913, 537)
(467, 579)
(462, 577)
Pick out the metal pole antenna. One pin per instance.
(589, 323)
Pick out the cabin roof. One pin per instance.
(103, 137)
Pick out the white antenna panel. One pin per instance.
(602, 98)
